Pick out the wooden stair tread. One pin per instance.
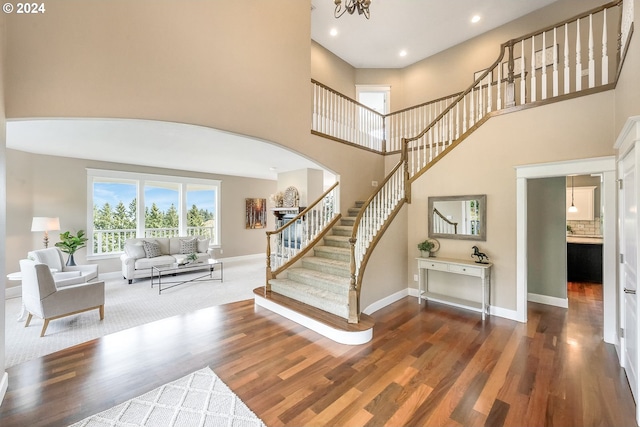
(336, 322)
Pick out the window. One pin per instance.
(123, 205)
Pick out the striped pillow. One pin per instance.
(188, 246)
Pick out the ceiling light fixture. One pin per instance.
(333, 32)
(475, 19)
(572, 208)
(362, 6)
(403, 53)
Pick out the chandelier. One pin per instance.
(362, 6)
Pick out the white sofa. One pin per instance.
(139, 257)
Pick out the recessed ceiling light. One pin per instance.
(334, 32)
(403, 53)
(475, 19)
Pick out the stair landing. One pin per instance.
(326, 324)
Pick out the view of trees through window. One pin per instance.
(115, 212)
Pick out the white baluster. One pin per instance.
(592, 62)
(555, 64)
(543, 79)
(534, 89)
(578, 58)
(605, 55)
(523, 83)
(464, 114)
(457, 120)
(472, 110)
(567, 78)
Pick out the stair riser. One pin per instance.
(337, 243)
(353, 211)
(339, 231)
(329, 269)
(335, 287)
(338, 256)
(347, 221)
(312, 300)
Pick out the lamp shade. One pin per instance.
(42, 223)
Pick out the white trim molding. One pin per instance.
(382, 303)
(546, 299)
(607, 167)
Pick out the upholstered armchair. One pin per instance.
(54, 259)
(41, 297)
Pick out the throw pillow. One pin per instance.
(203, 245)
(151, 248)
(135, 250)
(188, 246)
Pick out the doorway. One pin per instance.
(604, 165)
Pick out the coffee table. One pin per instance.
(158, 271)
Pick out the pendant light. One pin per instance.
(572, 208)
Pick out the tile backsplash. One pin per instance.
(585, 228)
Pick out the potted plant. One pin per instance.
(70, 243)
(425, 248)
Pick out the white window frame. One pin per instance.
(140, 179)
(376, 88)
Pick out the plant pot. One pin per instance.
(70, 261)
(425, 254)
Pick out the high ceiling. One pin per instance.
(419, 27)
(422, 27)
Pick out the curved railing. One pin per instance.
(301, 233)
(372, 221)
(441, 224)
(494, 90)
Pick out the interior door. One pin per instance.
(628, 270)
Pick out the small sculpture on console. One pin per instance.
(481, 255)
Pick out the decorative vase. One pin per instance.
(425, 254)
(70, 261)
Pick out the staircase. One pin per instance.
(323, 280)
(324, 292)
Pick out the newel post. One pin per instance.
(267, 285)
(510, 90)
(353, 292)
(405, 161)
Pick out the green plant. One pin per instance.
(569, 229)
(70, 243)
(192, 257)
(425, 246)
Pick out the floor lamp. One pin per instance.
(41, 223)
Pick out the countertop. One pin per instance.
(591, 240)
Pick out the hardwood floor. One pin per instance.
(429, 365)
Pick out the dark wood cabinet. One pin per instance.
(584, 262)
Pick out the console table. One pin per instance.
(455, 266)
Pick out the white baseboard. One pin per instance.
(4, 384)
(545, 299)
(386, 301)
(504, 313)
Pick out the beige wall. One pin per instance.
(628, 88)
(332, 71)
(41, 185)
(484, 164)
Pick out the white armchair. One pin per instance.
(41, 296)
(54, 259)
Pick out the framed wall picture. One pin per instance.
(255, 213)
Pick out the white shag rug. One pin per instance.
(199, 399)
(127, 306)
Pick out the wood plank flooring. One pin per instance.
(427, 365)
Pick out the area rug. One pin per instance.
(199, 399)
(127, 306)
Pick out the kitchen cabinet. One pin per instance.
(584, 262)
(583, 199)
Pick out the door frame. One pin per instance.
(607, 167)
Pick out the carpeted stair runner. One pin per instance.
(323, 280)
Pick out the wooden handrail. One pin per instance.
(335, 92)
(445, 219)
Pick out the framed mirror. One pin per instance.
(458, 217)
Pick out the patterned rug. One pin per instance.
(199, 399)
